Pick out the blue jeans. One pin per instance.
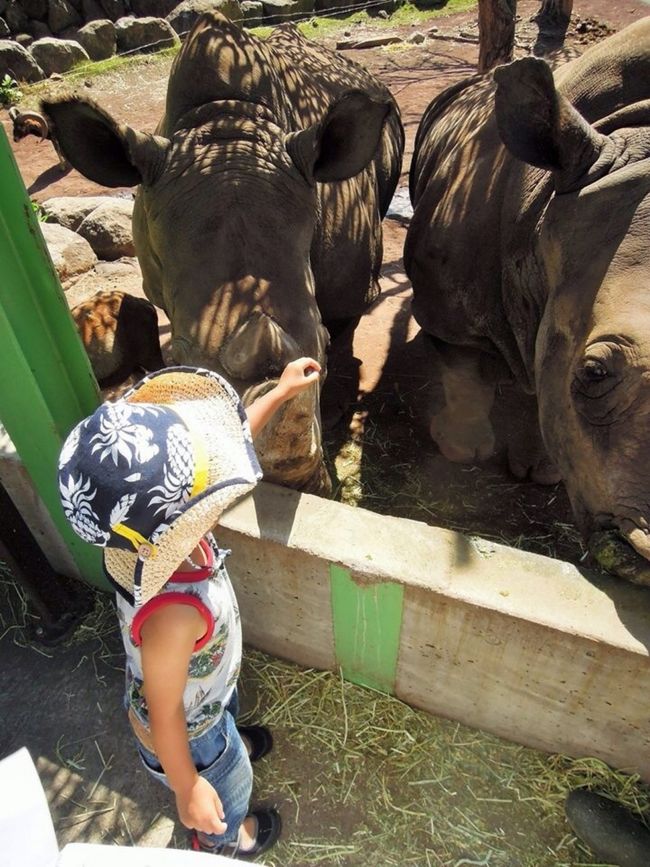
(221, 758)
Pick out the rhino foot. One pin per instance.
(537, 468)
(462, 440)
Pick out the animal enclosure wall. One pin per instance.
(520, 645)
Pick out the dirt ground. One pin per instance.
(384, 460)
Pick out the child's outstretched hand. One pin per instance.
(297, 376)
(200, 808)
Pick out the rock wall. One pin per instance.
(41, 37)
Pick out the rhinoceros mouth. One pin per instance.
(623, 551)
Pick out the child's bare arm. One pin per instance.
(168, 638)
(296, 377)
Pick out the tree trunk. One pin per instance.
(556, 11)
(496, 32)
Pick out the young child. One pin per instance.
(146, 478)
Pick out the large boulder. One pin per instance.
(71, 211)
(18, 62)
(252, 12)
(58, 55)
(61, 15)
(24, 39)
(144, 34)
(156, 8)
(123, 275)
(185, 14)
(3, 6)
(108, 229)
(35, 8)
(38, 29)
(116, 9)
(70, 253)
(277, 11)
(16, 17)
(92, 11)
(98, 38)
(5, 32)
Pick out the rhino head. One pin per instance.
(592, 343)
(225, 219)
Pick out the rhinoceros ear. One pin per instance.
(540, 126)
(343, 143)
(111, 154)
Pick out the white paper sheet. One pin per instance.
(27, 836)
(89, 855)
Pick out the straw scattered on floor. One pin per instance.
(358, 776)
(363, 778)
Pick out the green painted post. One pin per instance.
(46, 382)
(367, 626)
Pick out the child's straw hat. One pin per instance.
(147, 476)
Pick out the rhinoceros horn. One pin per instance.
(259, 348)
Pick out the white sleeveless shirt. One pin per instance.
(215, 662)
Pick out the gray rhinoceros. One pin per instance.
(529, 254)
(257, 221)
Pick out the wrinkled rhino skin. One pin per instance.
(257, 221)
(529, 256)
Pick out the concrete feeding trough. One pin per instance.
(524, 646)
(527, 647)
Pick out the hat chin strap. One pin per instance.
(136, 539)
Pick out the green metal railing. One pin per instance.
(46, 382)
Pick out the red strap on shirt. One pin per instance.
(189, 577)
(163, 601)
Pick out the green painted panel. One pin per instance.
(367, 624)
(46, 382)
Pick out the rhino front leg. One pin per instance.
(341, 387)
(462, 400)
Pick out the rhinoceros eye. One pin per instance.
(594, 370)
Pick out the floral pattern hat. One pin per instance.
(147, 476)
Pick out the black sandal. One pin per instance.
(260, 740)
(269, 828)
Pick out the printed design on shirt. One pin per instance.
(136, 699)
(212, 670)
(205, 718)
(206, 661)
(234, 677)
